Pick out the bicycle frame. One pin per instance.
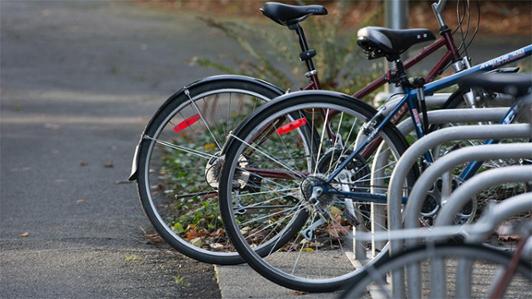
(450, 55)
(445, 40)
(410, 99)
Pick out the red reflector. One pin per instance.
(186, 123)
(289, 127)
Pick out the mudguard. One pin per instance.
(207, 80)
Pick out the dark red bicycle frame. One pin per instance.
(450, 55)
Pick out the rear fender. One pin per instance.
(245, 79)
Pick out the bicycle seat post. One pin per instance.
(398, 74)
(306, 54)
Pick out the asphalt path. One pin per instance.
(78, 81)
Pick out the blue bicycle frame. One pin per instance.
(410, 99)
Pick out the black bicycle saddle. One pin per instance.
(384, 42)
(515, 84)
(286, 15)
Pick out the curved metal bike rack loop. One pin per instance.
(506, 209)
(493, 217)
(460, 197)
(406, 126)
(456, 115)
(411, 155)
(449, 161)
(424, 183)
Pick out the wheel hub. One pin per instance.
(312, 190)
(213, 171)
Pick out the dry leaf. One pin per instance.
(108, 164)
(336, 229)
(216, 246)
(24, 235)
(196, 242)
(153, 238)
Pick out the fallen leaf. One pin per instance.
(24, 235)
(196, 242)
(336, 229)
(335, 212)
(83, 163)
(192, 233)
(218, 233)
(216, 246)
(108, 164)
(153, 238)
(81, 200)
(297, 293)
(132, 258)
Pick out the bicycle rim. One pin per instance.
(179, 163)
(323, 260)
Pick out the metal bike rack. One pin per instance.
(433, 101)
(456, 115)
(462, 195)
(435, 117)
(410, 157)
(456, 201)
(508, 208)
(449, 161)
(494, 216)
(426, 180)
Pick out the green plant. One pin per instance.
(269, 50)
(181, 281)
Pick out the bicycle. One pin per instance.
(177, 159)
(325, 185)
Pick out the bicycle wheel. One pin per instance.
(469, 271)
(319, 257)
(179, 164)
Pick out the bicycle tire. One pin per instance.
(177, 102)
(256, 261)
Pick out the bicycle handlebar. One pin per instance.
(438, 7)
